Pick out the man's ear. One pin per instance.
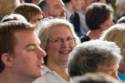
(7, 59)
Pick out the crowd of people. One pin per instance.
(62, 41)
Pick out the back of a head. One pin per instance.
(15, 17)
(28, 10)
(99, 11)
(94, 78)
(88, 56)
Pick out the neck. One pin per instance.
(60, 69)
(95, 34)
(7, 77)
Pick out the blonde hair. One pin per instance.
(116, 33)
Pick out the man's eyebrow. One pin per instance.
(30, 45)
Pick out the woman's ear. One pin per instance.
(7, 59)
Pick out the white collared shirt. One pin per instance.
(50, 76)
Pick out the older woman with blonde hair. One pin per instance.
(58, 39)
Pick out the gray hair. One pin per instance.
(45, 25)
(88, 56)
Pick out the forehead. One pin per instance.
(26, 36)
(59, 30)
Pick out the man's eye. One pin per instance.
(31, 48)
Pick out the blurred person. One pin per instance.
(58, 40)
(30, 11)
(94, 56)
(14, 17)
(116, 34)
(94, 78)
(21, 58)
(71, 9)
(88, 2)
(120, 8)
(85, 4)
(7, 6)
(98, 18)
(81, 12)
(54, 8)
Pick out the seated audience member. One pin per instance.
(58, 40)
(94, 56)
(54, 8)
(98, 18)
(7, 6)
(30, 11)
(120, 8)
(15, 17)
(94, 78)
(71, 11)
(21, 58)
(117, 34)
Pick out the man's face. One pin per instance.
(28, 56)
(55, 8)
(61, 43)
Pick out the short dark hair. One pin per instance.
(7, 38)
(96, 14)
(42, 5)
(28, 10)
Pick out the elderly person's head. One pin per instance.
(58, 38)
(94, 56)
(117, 34)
